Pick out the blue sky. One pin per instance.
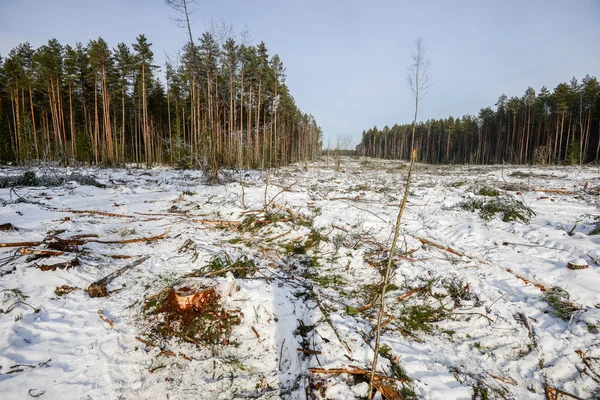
(347, 60)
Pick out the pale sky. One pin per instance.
(347, 60)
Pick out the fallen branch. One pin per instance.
(285, 189)
(282, 235)
(98, 288)
(135, 240)
(79, 240)
(139, 339)
(153, 370)
(251, 212)
(509, 380)
(218, 223)
(410, 293)
(21, 244)
(281, 354)
(103, 318)
(588, 364)
(355, 198)
(369, 305)
(554, 394)
(558, 191)
(527, 281)
(474, 313)
(82, 236)
(255, 332)
(105, 214)
(62, 265)
(161, 214)
(47, 253)
(221, 271)
(167, 353)
(119, 256)
(340, 228)
(439, 246)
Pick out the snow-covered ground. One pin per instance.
(466, 315)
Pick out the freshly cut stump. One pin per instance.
(580, 263)
(192, 311)
(191, 298)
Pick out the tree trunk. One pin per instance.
(35, 139)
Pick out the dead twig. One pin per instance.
(218, 223)
(282, 235)
(587, 361)
(103, 318)
(474, 313)
(153, 370)
(139, 339)
(32, 394)
(281, 355)
(255, 332)
(509, 380)
(340, 228)
(410, 293)
(285, 189)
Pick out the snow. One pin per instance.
(71, 353)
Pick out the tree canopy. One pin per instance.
(220, 103)
(562, 126)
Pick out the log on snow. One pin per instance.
(98, 288)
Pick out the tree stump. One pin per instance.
(579, 263)
(188, 298)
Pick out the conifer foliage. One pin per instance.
(559, 127)
(221, 104)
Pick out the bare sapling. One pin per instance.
(343, 143)
(386, 276)
(418, 80)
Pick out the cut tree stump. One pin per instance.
(191, 298)
(579, 263)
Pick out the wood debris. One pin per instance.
(527, 281)
(98, 288)
(103, 318)
(439, 246)
(62, 265)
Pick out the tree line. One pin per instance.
(220, 103)
(558, 127)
